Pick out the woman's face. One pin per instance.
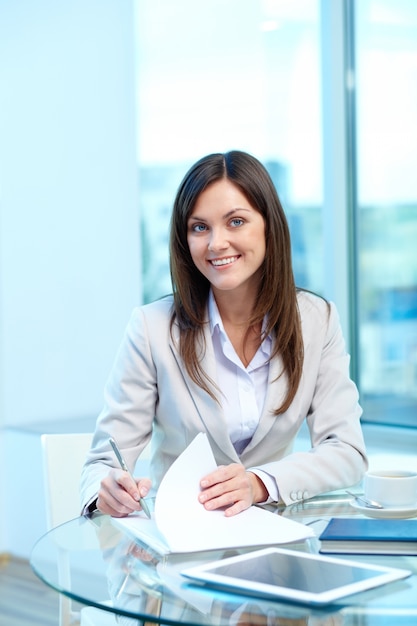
(226, 237)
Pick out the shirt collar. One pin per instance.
(216, 323)
(214, 315)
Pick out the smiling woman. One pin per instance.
(227, 209)
(226, 238)
(237, 352)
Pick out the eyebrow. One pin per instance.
(225, 216)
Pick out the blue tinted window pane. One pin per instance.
(224, 75)
(387, 198)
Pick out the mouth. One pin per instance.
(226, 261)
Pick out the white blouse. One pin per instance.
(243, 389)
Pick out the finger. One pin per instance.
(110, 505)
(128, 484)
(234, 477)
(144, 486)
(228, 499)
(233, 495)
(236, 508)
(222, 473)
(114, 496)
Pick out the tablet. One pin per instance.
(300, 577)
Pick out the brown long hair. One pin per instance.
(277, 295)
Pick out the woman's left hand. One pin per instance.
(231, 487)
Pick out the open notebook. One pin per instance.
(181, 524)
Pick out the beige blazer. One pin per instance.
(149, 395)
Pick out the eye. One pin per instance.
(198, 228)
(236, 221)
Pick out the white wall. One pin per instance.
(23, 501)
(69, 244)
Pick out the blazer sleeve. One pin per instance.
(329, 400)
(130, 397)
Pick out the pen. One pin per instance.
(126, 469)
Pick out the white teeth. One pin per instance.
(224, 261)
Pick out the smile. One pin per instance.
(230, 259)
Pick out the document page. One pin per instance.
(181, 524)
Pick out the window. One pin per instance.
(225, 75)
(230, 75)
(386, 60)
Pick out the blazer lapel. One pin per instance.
(277, 388)
(209, 411)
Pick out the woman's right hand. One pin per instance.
(119, 494)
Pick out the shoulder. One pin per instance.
(309, 302)
(316, 312)
(160, 308)
(155, 315)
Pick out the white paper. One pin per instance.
(181, 524)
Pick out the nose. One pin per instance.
(218, 240)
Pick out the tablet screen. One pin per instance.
(293, 575)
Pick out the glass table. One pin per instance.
(94, 562)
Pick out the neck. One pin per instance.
(235, 314)
(234, 308)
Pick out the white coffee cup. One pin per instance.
(391, 488)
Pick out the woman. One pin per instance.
(237, 352)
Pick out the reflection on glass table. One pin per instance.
(95, 562)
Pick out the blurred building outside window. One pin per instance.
(230, 75)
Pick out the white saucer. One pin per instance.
(387, 513)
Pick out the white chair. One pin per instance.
(63, 458)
